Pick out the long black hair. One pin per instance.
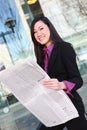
(54, 36)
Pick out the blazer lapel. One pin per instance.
(53, 57)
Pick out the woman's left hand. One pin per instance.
(54, 84)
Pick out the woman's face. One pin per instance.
(42, 33)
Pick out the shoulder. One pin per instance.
(66, 47)
(63, 45)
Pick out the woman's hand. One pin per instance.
(54, 84)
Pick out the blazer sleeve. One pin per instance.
(70, 64)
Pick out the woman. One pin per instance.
(58, 59)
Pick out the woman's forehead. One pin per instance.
(39, 24)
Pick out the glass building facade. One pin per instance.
(70, 19)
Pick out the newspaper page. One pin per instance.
(24, 80)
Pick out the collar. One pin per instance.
(48, 49)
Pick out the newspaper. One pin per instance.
(24, 80)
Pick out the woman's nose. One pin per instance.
(38, 33)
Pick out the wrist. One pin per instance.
(64, 87)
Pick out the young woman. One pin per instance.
(58, 59)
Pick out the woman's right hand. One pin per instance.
(54, 84)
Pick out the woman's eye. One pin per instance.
(41, 28)
(38, 30)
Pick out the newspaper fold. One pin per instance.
(49, 106)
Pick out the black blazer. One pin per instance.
(62, 64)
